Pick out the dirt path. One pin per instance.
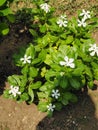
(14, 116)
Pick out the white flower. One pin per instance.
(14, 90)
(62, 21)
(85, 14)
(45, 7)
(63, 17)
(55, 93)
(68, 62)
(50, 107)
(82, 23)
(93, 49)
(26, 59)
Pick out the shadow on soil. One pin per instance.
(9, 45)
(79, 116)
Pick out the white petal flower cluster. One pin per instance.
(45, 7)
(26, 59)
(62, 21)
(50, 107)
(55, 93)
(93, 49)
(86, 15)
(68, 62)
(14, 90)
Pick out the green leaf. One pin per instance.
(30, 51)
(44, 41)
(63, 35)
(47, 86)
(94, 65)
(42, 106)
(25, 70)
(63, 81)
(42, 55)
(96, 74)
(42, 95)
(6, 11)
(74, 82)
(43, 71)
(24, 97)
(74, 98)
(49, 114)
(65, 49)
(68, 97)
(50, 74)
(69, 40)
(90, 84)
(43, 87)
(36, 61)
(43, 28)
(4, 29)
(58, 106)
(53, 39)
(33, 32)
(88, 72)
(48, 39)
(77, 71)
(14, 80)
(80, 68)
(33, 72)
(23, 83)
(31, 94)
(56, 57)
(11, 18)
(55, 67)
(64, 100)
(2, 2)
(6, 93)
(35, 85)
(35, 10)
(48, 59)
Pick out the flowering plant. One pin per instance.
(62, 59)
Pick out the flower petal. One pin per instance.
(62, 63)
(71, 60)
(92, 53)
(72, 65)
(66, 58)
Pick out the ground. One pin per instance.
(82, 115)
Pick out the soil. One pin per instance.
(15, 116)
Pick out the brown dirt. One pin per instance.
(80, 116)
(14, 116)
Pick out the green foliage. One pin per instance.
(62, 59)
(2, 2)
(5, 13)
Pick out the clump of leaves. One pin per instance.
(5, 13)
(62, 59)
